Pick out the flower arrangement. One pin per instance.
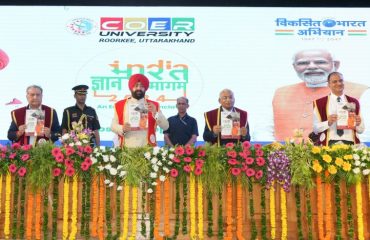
(14, 159)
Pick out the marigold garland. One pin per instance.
(284, 222)
(29, 213)
(74, 208)
(239, 211)
(38, 215)
(272, 211)
(126, 190)
(229, 217)
(192, 207)
(1, 190)
(65, 208)
(134, 213)
(338, 211)
(200, 209)
(328, 216)
(15, 207)
(360, 217)
(166, 209)
(94, 207)
(8, 191)
(320, 213)
(101, 209)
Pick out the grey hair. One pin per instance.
(183, 98)
(34, 86)
(309, 50)
(226, 90)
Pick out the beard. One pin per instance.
(315, 78)
(138, 94)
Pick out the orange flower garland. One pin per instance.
(94, 207)
(229, 217)
(239, 211)
(166, 209)
(29, 214)
(157, 217)
(320, 214)
(101, 210)
(328, 217)
(38, 216)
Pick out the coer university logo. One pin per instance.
(81, 26)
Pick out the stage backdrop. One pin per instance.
(193, 52)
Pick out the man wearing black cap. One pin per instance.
(81, 113)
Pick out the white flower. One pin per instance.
(101, 168)
(363, 164)
(363, 158)
(356, 157)
(113, 171)
(78, 143)
(164, 153)
(123, 173)
(171, 156)
(172, 149)
(119, 188)
(170, 163)
(112, 158)
(155, 168)
(154, 183)
(147, 155)
(107, 181)
(111, 184)
(156, 150)
(159, 163)
(153, 175)
(154, 160)
(357, 163)
(162, 178)
(364, 151)
(108, 166)
(85, 141)
(94, 160)
(113, 149)
(96, 150)
(356, 170)
(65, 136)
(119, 167)
(166, 170)
(71, 144)
(149, 190)
(366, 172)
(105, 158)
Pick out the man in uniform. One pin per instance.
(81, 113)
(47, 120)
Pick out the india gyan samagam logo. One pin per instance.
(81, 26)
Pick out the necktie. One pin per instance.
(339, 131)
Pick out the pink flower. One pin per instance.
(16, 146)
(22, 171)
(2, 155)
(176, 160)
(59, 157)
(229, 145)
(85, 166)
(246, 145)
(3, 148)
(199, 162)
(187, 168)
(68, 162)
(56, 151)
(88, 161)
(259, 174)
(26, 147)
(12, 155)
(231, 154)
(250, 172)
(189, 151)
(179, 151)
(12, 168)
(245, 167)
(201, 153)
(246, 152)
(257, 146)
(88, 149)
(260, 161)
(69, 151)
(70, 171)
(187, 159)
(232, 161)
(198, 171)
(235, 171)
(174, 172)
(259, 152)
(56, 172)
(80, 149)
(249, 160)
(25, 157)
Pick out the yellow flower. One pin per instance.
(326, 148)
(339, 161)
(326, 158)
(346, 166)
(276, 145)
(316, 166)
(316, 149)
(348, 157)
(332, 169)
